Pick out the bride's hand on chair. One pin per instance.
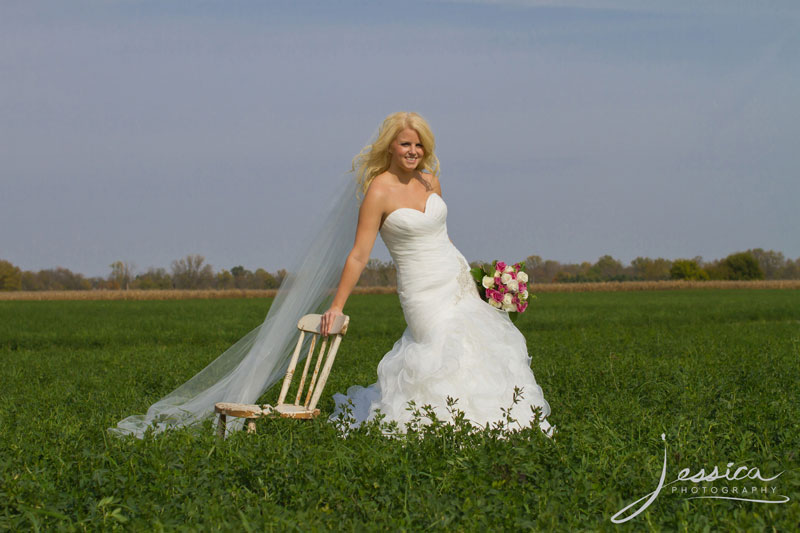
(328, 318)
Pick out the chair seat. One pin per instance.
(239, 410)
(243, 410)
(296, 411)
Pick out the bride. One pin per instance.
(455, 344)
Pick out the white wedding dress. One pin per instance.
(455, 344)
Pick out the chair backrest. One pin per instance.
(322, 361)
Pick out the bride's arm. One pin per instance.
(369, 220)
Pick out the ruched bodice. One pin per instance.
(411, 234)
(455, 345)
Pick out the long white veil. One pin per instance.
(248, 368)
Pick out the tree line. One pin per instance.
(192, 272)
(753, 264)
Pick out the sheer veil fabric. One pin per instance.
(248, 368)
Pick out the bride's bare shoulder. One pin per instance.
(435, 185)
(377, 193)
(379, 187)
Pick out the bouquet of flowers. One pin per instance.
(503, 286)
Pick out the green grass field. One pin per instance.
(715, 371)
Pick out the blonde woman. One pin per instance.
(455, 344)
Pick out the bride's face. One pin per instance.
(406, 150)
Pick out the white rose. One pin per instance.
(507, 299)
(496, 273)
(522, 277)
(524, 295)
(505, 278)
(494, 303)
(509, 268)
(509, 307)
(513, 285)
(487, 282)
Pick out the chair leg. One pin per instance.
(251, 425)
(221, 426)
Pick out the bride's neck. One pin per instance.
(403, 176)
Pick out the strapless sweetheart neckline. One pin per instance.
(428, 199)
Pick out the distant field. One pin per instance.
(605, 286)
(715, 371)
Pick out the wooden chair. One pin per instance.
(309, 324)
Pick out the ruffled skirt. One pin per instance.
(471, 353)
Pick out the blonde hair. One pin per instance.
(375, 158)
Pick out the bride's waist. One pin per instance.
(423, 268)
(416, 249)
(442, 256)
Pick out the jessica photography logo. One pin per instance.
(742, 483)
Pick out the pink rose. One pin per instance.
(498, 281)
(523, 287)
(522, 306)
(494, 295)
(501, 266)
(513, 275)
(515, 300)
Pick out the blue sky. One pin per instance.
(145, 131)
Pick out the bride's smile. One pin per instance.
(407, 151)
